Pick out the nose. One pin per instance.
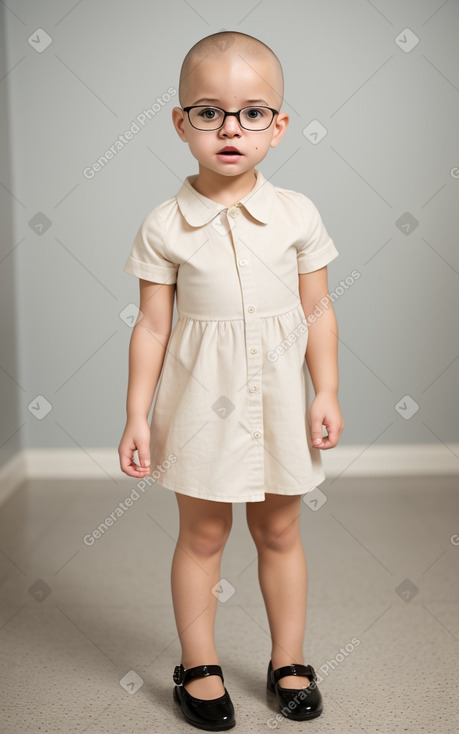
(231, 126)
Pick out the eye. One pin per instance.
(209, 113)
(255, 113)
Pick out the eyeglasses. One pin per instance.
(203, 117)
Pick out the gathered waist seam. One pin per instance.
(182, 315)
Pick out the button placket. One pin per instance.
(252, 336)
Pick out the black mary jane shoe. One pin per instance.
(299, 704)
(215, 714)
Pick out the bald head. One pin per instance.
(232, 47)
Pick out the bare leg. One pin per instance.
(282, 571)
(204, 529)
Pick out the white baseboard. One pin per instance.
(346, 461)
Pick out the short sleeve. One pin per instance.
(148, 258)
(317, 248)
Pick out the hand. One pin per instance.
(136, 436)
(325, 411)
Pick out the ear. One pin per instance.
(280, 127)
(178, 119)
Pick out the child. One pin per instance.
(248, 262)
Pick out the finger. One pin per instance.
(316, 435)
(334, 433)
(125, 461)
(137, 471)
(327, 443)
(144, 457)
(129, 466)
(138, 461)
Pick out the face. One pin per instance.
(231, 84)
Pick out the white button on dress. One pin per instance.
(235, 368)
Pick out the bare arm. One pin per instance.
(322, 358)
(147, 350)
(148, 345)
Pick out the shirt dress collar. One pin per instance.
(199, 210)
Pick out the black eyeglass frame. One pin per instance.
(228, 114)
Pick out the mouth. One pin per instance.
(229, 150)
(229, 154)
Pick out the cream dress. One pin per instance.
(230, 418)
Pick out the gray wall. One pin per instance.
(391, 145)
(12, 422)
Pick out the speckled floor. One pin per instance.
(76, 619)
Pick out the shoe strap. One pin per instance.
(295, 669)
(183, 675)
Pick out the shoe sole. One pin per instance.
(305, 717)
(314, 715)
(223, 727)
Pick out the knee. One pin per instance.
(205, 539)
(275, 536)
